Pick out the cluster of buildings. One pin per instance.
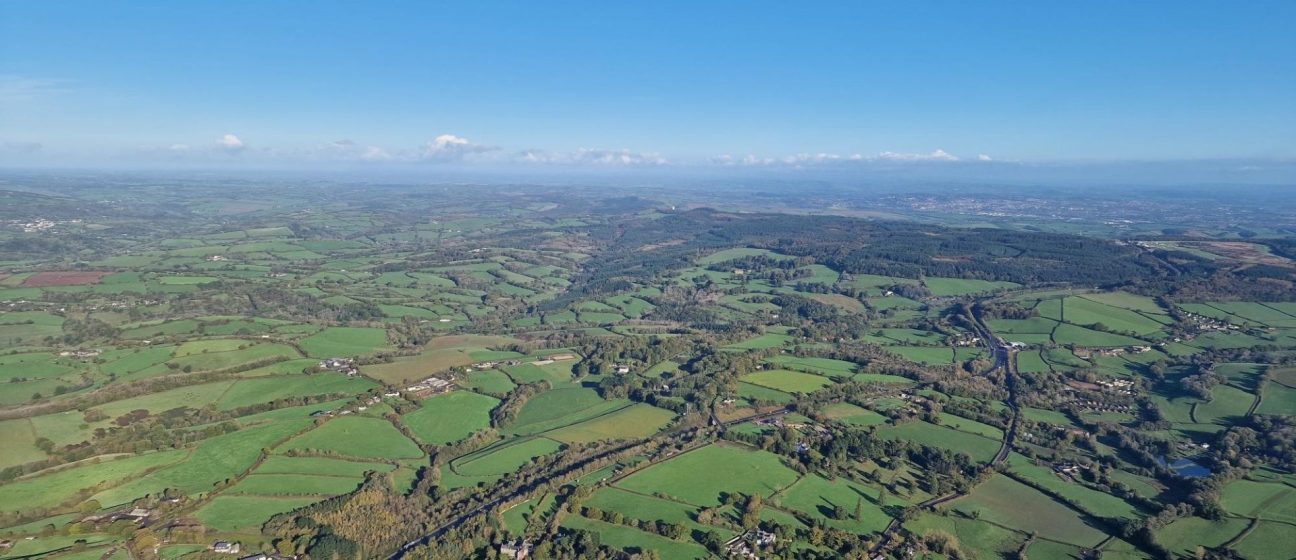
(233, 548)
(136, 515)
(541, 362)
(1125, 350)
(39, 225)
(517, 550)
(1122, 386)
(1090, 405)
(1204, 323)
(80, 354)
(362, 406)
(340, 365)
(1068, 469)
(431, 386)
(748, 545)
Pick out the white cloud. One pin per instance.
(179, 148)
(448, 147)
(938, 155)
(347, 150)
(593, 156)
(829, 159)
(231, 143)
(983, 157)
(374, 153)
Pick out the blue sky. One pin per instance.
(618, 83)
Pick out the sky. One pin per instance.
(750, 85)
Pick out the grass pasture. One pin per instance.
(767, 340)
(1096, 503)
(295, 484)
(634, 421)
(627, 538)
(214, 460)
(854, 415)
(344, 341)
(357, 436)
(749, 391)
(698, 477)
(413, 368)
(980, 449)
(50, 489)
(247, 513)
(824, 366)
(319, 466)
(1007, 502)
(787, 381)
(1265, 500)
(930, 355)
(560, 407)
(449, 418)
(1267, 540)
(1183, 536)
(503, 458)
(1083, 311)
(816, 497)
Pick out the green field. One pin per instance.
(344, 341)
(449, 418)
(961, 286)
(932, 355)
(854, 415)
(1267, 540)
(505, 458)
(1184, 535)
(749, 391)
(787, 381)
(1085, 311)
(1080, 336)
(624, 537)
(321, 466)
(1093, 502)
(1273, 502)
(296, 484)
(817, 497)
(768, 340)
(983, 538)
(559, 407)
(252, 391)
(356, 436)
(244, 513)
(825, 366)
(214, 460)
(493, 381)
(18, 438)
(1006, 502)
(54, 488)
(980, 449)
(698, 477)
(639, 506)
(635, 421)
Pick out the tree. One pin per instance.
(839, 512)
(751, 512)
